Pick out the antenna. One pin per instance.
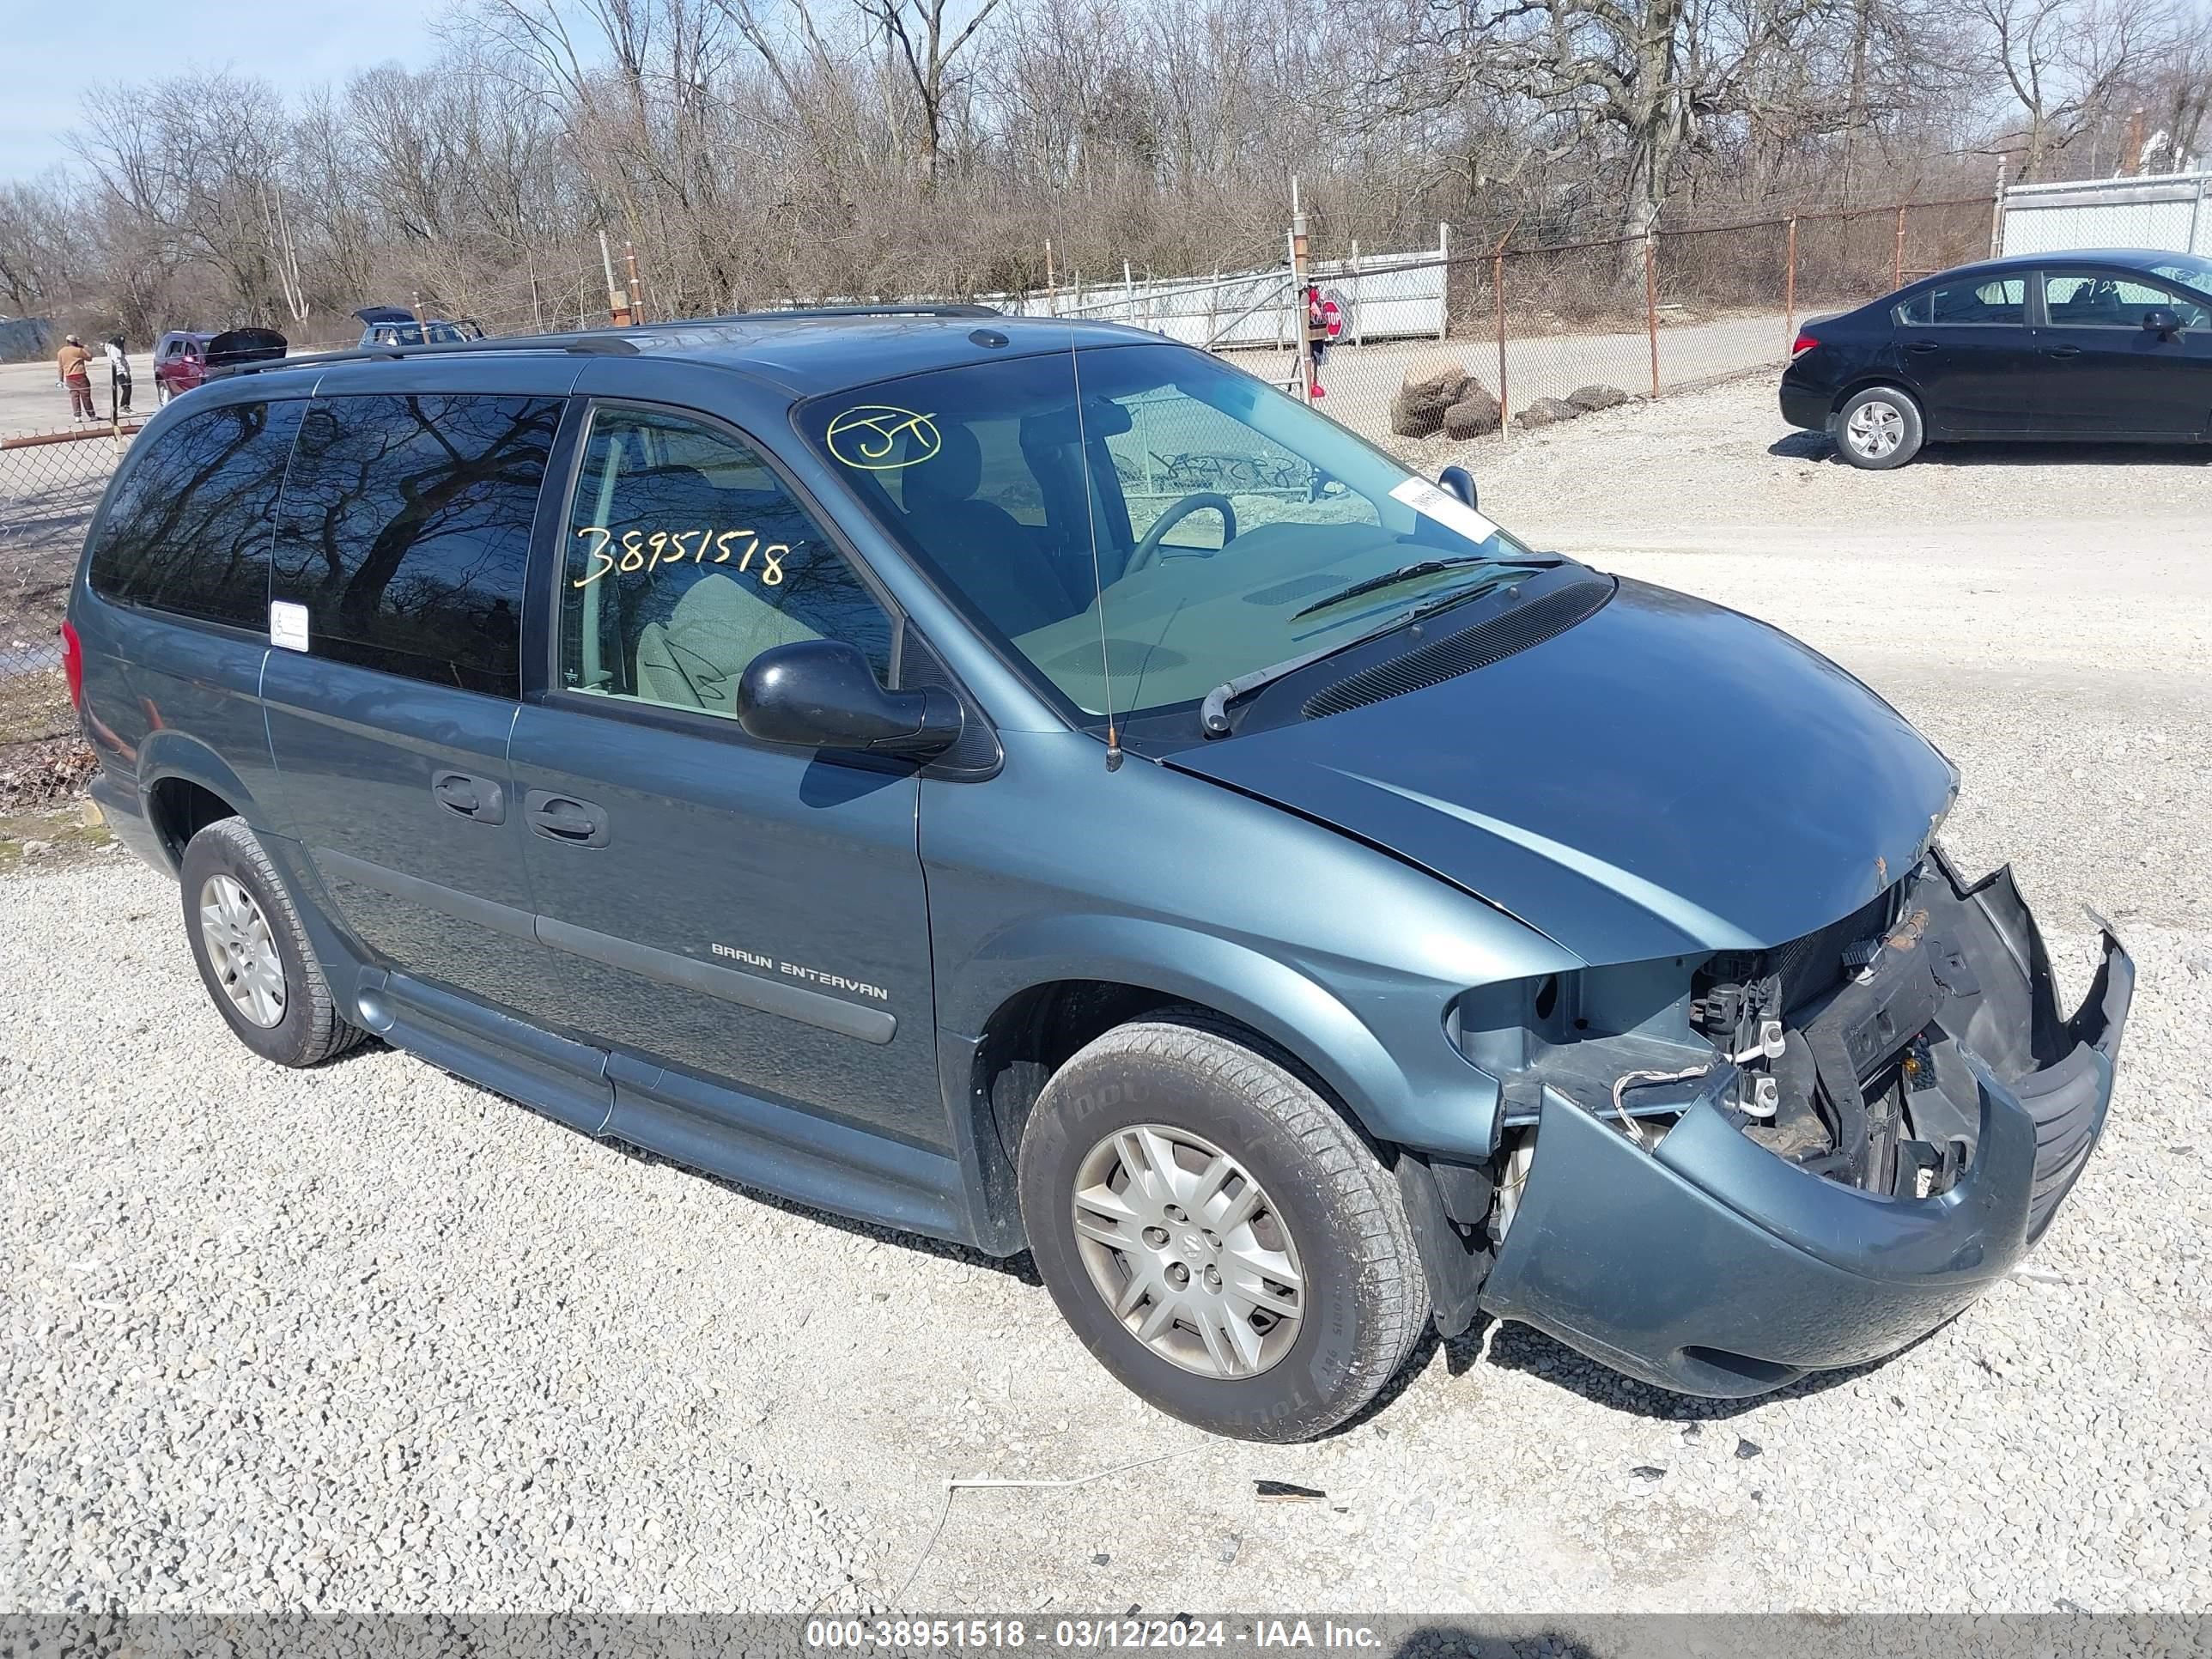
(1098, 582)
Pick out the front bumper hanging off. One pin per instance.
(1711, 1265)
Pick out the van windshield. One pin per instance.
(1227, 524)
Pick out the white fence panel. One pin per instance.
(2169, 212)
(1386, 296)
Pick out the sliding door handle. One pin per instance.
(480, 800)
(566, 818)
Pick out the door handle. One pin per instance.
(2065, 351)
(1923, 347)
(477, 799)
(565, 818)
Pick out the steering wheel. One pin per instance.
(1148, 549)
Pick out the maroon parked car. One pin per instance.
(180, 364)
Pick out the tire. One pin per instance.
(241, 920)
(1177, 1090)
(1878, 428)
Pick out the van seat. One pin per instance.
(718, 627)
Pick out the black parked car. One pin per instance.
(2110, 344)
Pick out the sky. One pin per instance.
(56, 48)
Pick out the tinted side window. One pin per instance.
(2097, 299)
(406, 531)
(687, 558)
(1987, 301)
(189, 529)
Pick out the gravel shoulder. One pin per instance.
(370, 1338)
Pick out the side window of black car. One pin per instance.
(405, 531)
(687, 557)
(188, 531)
(1971, 303)
(2103, 299)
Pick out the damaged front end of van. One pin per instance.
(1784, 1160)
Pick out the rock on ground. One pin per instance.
(1475, 415)
(1431, 385)
(1546, 411)
(1596, 396)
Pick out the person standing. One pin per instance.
(118, 373)
(74, 365)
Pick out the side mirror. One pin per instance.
(2162, 321)
(1460, 481)
(821, 694)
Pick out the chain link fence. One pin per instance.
(1533, 336)
(49, 483)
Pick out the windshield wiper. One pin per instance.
(1406, 573)
(1213, 713)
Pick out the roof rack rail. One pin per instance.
(598, 343)
(812, 313)
(605, 342)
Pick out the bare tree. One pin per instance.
(926, 40)
(2065, 61)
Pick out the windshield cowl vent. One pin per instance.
(1487, 641)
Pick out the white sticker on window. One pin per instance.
(287, 625)
(1446, 508)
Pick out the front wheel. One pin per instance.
(1216, 1233)
(1879, 429)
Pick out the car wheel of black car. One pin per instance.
(252, 953)
(1219, 1235)
(1879, 429)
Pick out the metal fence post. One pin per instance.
(1789, 286)
(1897, 254)
(1443, 280)
(1651, 301)
(1498, 293)
(1304, 341)
(1996, 213)
(1354, 290)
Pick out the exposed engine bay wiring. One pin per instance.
(1628, 1080)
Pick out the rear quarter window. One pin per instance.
(405, 531)
(189, 530)
(1971, 303)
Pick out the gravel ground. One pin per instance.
(370, 1338)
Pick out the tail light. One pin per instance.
(1803, 344)
(73, 664)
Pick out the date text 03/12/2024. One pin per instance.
(1088, 1634)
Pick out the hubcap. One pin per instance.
(1188, 1251)
(1877, 429)
(241, 950)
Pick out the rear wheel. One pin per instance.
(252, 954)
(1220, 1238)
(1879, 429)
